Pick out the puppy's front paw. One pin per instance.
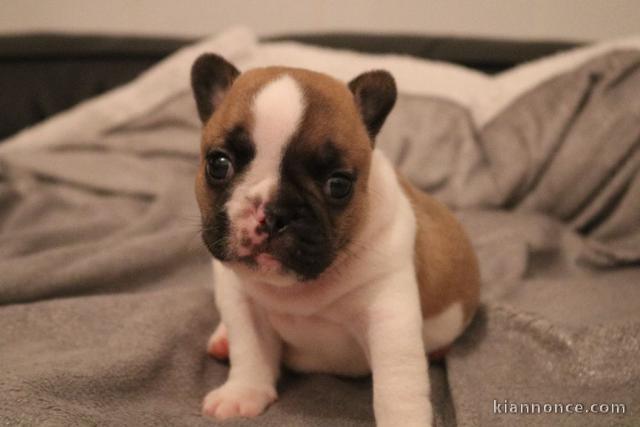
(238, 400)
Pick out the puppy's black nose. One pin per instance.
(277, 219)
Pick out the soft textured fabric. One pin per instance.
(42, 74)
(106, 288)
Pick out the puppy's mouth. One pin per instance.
(257, 253)
(279, 255)
(296, 249)
(263, 262)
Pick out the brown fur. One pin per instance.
(446, 265)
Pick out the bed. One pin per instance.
(105, 288)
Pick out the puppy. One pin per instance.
(326, 259)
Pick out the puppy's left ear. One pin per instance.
(375, 94)
(211, 78)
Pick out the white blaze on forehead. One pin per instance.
(277, 111)
(278, 108)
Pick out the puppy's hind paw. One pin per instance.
(238, 400)
(218, 345)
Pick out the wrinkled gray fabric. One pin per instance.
(105, 286)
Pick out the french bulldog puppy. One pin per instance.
(325, 258)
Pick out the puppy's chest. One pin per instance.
(314, 344)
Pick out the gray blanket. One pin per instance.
(105, 288)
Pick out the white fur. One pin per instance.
(278, 109)
(442, 329)
(255, 353)
(361, 315)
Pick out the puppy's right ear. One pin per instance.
(211, 78)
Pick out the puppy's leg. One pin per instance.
(218, 344)
(254, 353)
(392, 326)
(441, 330)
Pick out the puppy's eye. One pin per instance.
(339, 186)
(219, 167)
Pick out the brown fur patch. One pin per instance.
(446, 265)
